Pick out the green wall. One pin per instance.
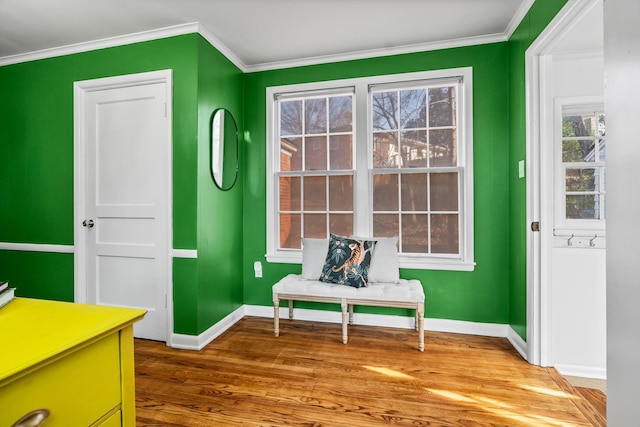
(36, 191)
(228, 228)
(481, 295)
(538, 17)
(219, 212)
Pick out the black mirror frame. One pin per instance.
(228, 115)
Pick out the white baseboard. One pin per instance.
(406, 322)
(582, 371)
(192, 342)
(197, 342)
(518, 343)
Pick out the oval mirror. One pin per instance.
(224, 149)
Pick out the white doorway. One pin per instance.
(566, 285)
(122, 192)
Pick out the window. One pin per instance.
(382, 156)
(582, 166)
(415, 167)
(315, 174)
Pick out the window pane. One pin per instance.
(385, 110)
(603, 150)
(291, 118)
(385, 225)
(444, 234)
(415, 238)
(444, 192)
(600, 126)
(341, 152)
(578, 150)
(414, 192)
(583, 206)
(315, 193)
(315, 115)
(578, 126)
(413, 146)
(413, 109)
(290, 231)
(315, 153)
(341, 193)
(341, 224)
(581, 180)
(291, 154)
(315, 225)
(442, 106)
(385, 192)
(385, 150)
(442, 147)
(340, 114)
(290, 193)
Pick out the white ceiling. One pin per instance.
(258, 33)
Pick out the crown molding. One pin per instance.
(376, 53)
(215, 42)
(518, 17)
(142, 36)
(196, 27)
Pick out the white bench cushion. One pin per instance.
(404, 290)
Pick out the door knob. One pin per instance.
(88, 223)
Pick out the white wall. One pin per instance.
(622, 92)
(577, 281)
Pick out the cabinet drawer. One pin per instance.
(114, 420)
(77, 389)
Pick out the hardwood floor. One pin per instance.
(596, 398)
(307, 377)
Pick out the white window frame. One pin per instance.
(362, 117)
(563, 225)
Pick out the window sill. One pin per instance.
(416, 263)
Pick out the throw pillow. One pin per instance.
(314, 252)
(347, 261)
(384, 261)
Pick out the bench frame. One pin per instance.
(347, 306)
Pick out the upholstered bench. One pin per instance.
(402, 294)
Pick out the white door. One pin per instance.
(566, 261)
(122, 147)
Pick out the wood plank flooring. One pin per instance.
(307, 377)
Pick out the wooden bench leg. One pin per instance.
(290, 309)
(344, 304)
(420, 314)
(351, 314)
(276, 315)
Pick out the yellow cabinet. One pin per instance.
(71, 362)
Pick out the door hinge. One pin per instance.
(165, 300)
(165, 109)
(535, 226)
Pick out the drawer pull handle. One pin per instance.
(33, 419)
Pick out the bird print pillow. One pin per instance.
(347, 261)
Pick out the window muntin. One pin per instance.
(424, 139)
(583, 165)
(315, 178)
(415, 167)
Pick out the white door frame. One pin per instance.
(80, 89)
(539, 123)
